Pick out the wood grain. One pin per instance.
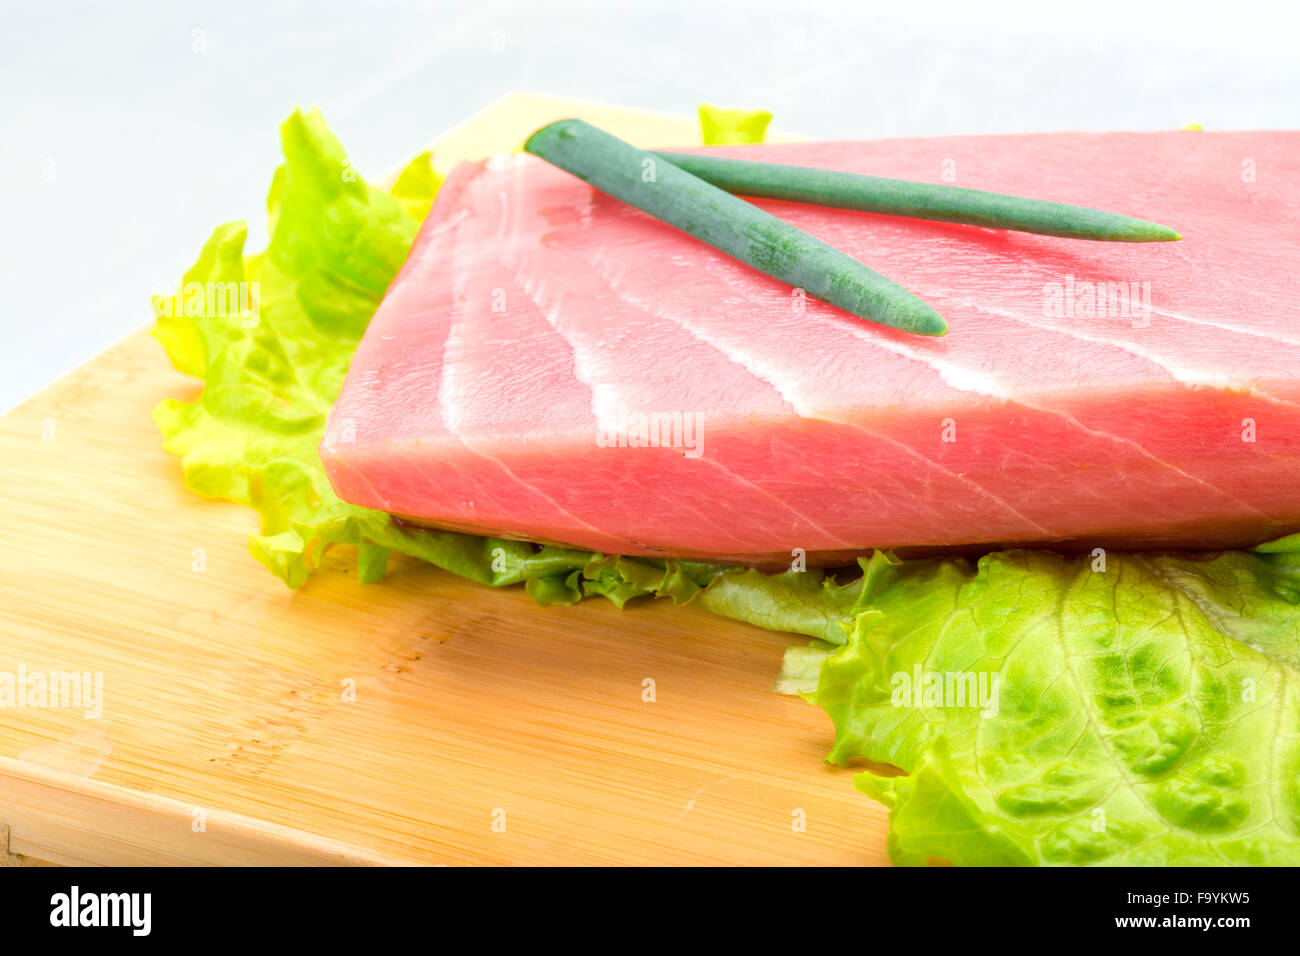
(224, 692)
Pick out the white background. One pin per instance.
(155, 133)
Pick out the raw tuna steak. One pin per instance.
(552, 364)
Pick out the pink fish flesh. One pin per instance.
(554, 365)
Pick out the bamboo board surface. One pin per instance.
(225, 736)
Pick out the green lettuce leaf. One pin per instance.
(1136, 710)
(273, 369)
(417, 185)
(724, 127)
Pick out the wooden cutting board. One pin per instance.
(484, 730)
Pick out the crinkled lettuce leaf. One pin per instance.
(721, 127)
(417, 185)
(271, 373)
(1141, 710)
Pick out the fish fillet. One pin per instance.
(554, 365)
